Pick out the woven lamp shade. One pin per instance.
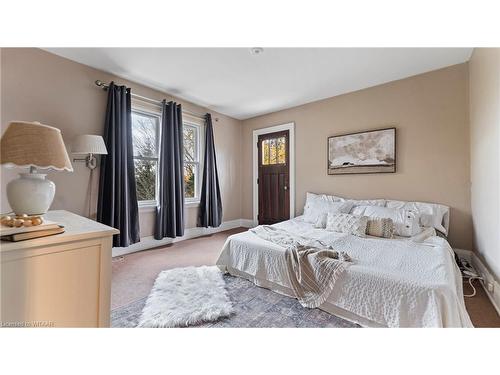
(31, 144)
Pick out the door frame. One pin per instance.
(290, 126)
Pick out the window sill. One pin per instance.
(152, 207)
(147, 208)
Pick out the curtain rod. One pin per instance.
(152, 101)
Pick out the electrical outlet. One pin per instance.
(489, 286)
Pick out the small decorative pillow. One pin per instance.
(406, 222)
(380, 228)
(346, 223)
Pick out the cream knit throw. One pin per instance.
(313, 273)
(312, 267)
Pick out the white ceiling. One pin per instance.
(234, 82)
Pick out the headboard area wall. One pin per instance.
(430, 114)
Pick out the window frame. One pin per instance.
(143, 112)
(198, 163)
(199, 127)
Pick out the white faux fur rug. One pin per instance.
(186, 296)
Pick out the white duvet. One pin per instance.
(391, 282)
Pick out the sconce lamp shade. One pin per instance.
(31, 144)
(89, 144)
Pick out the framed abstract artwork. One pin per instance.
(372, 151)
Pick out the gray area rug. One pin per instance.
(254, 307)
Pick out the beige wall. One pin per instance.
(39, 86)
(430, 112)
(485, 153)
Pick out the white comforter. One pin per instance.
(391, 283)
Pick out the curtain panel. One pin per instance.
(117, 200)
(170, 211)
(210, 213)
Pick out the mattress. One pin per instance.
(391, 283)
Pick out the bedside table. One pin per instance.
(58, 281)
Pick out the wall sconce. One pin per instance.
(91, 145)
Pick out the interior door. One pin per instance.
(274, 168)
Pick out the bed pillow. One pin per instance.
(347, 223)
(369, 202)
(380, 228)
(321, 221)
(310, 197)
(406, 222)
(334, 198)
(316, 208)
(431, 214)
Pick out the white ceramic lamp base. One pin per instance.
(30, 194)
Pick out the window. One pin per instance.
(191, 162)
(274, 151)
(145, 139)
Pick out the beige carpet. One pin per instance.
(134, 274)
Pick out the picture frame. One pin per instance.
(369, 151)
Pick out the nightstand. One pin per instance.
(58, 281)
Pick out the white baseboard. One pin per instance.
(487, 276)
(149, 242)
(248, 223)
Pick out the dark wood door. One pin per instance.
(274, 191)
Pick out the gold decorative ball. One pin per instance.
(36, 221)
(18, 223)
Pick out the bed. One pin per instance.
(397, 282)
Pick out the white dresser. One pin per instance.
(58, 281)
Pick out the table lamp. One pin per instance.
(37, 146)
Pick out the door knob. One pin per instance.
(285, 187)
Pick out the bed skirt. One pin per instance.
(326, 306)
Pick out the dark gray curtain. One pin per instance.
(210, 214)
(170, 211)
(117, 201)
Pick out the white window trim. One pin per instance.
(147, 206)
(291, 150)
(151, 202)
(194, 202)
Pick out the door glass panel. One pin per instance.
(281, 150)
(273, 151)
(265, 152)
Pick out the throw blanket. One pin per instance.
(312, 267)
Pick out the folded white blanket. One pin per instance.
(283, 237)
